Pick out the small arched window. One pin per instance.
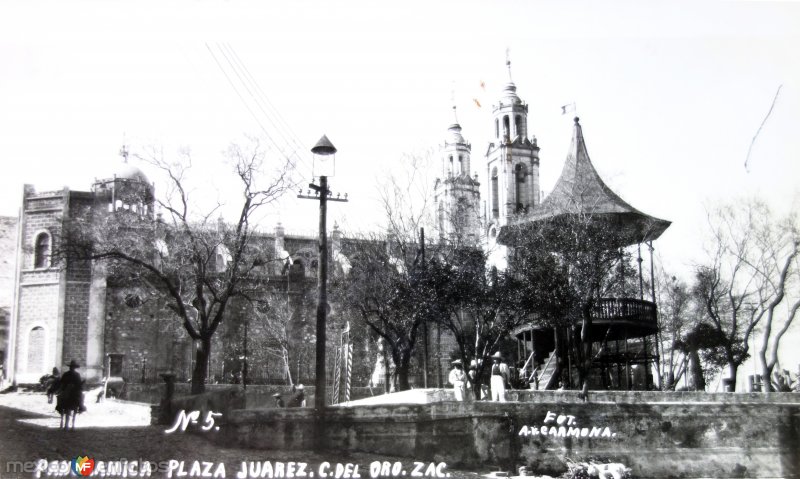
(41, 251)
(506, 127)
(518, 126)
(496, 128)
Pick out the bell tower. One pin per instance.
(457, 193)
(512, 162)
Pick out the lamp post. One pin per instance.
(244, 358)
(323, 148)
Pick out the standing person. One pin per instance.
(52, 385)
(458, 379)
(500, 375)
(472, 379)
(278, 400)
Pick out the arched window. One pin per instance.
(518, 126)
(506, 133)
(460, 164)
(495, 195)
(519, 187)
(496, 128)
(462, 209)
(41, 251)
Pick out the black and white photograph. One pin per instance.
(351, 240)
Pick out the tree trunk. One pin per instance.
(766, 375)
(585, 346)
(669, 383)
(733, 369)
(401, 370)
(697, 380)
(200, 372)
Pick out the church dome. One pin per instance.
(454, 135)
(509, 95)
(127, 171)
(124, 171)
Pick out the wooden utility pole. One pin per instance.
(323, 194)
(425, 320)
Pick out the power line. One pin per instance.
(247, 105)
(268, 110)
(292, 136)
(227, 77)
(249, 91)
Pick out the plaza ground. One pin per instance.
(116, 431)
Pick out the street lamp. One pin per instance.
(322, 150)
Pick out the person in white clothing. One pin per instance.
(499, 378)
(458, 379)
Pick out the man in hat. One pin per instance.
(70, 395)
(278, 400)
(500, 376)
(458, 379)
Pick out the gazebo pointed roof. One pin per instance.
(580, 190)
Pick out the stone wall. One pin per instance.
(754, 437)
(258, 396)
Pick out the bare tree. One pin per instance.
(774, 258)
(197, 262)
(389, 290)
(674, 319)
(388, 287)
(749, 280)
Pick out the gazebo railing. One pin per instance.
(625, 309)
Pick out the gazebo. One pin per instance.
(622, 328)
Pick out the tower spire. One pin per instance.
(508, 64)
(453, 102)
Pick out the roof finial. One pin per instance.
(455, 115)
(123, 151)
(508, 64)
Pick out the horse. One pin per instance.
(69, 402)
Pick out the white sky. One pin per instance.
(669, 95)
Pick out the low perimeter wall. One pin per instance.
(743, 437)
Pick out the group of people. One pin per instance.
(463, 382)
